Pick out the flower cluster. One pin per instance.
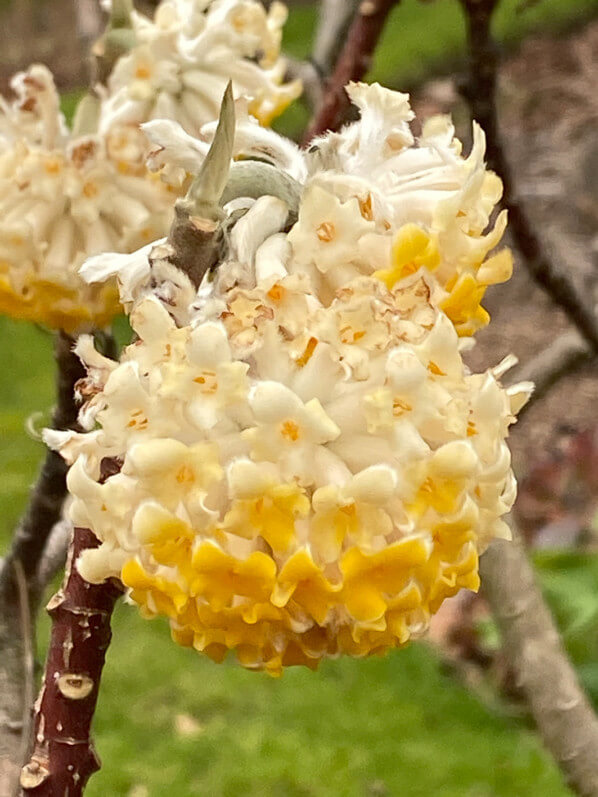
(373, 194)
(299, 464)
(63, 197)
(67, 195)
(185, 56)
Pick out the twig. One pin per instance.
(480, 92)
(353, 63)
(542, 669)
(334, 19)
(23, 558)
(558, 359)
(63, 758)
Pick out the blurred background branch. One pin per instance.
(353, 62)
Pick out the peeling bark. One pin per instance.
(63, 757)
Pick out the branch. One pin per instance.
(331, 31)
(311, 79)
(45, 506)
(353, 63)
(16, 685)
(560, 708)
(63, 758)
(333, 24)
(480, 92)
(558, 359)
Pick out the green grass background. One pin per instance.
(170, 722)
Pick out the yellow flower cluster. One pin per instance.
(294, 461)
(270, 502)
(413, 248)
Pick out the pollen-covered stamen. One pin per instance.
(290, 431)
(326, 232)
(208, 382)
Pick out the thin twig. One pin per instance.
(311, 80)
(15, 681)
(334, 19)
(480, 92)
(542, 669)
(64, 758)
(353, 63)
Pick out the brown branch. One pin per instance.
(562, 712)
(353, 63)
(480, 92)
(63, 758)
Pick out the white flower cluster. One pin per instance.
(67, 195)
(186, 55)
(300, 464)
(64, 197)
(376, 200)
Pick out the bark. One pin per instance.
(535, 652)
(63, 757)
(353, 63)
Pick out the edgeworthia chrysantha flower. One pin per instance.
(64, 196)
(185, 56)
(67, 195)
(294, 462)
(373, 194)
